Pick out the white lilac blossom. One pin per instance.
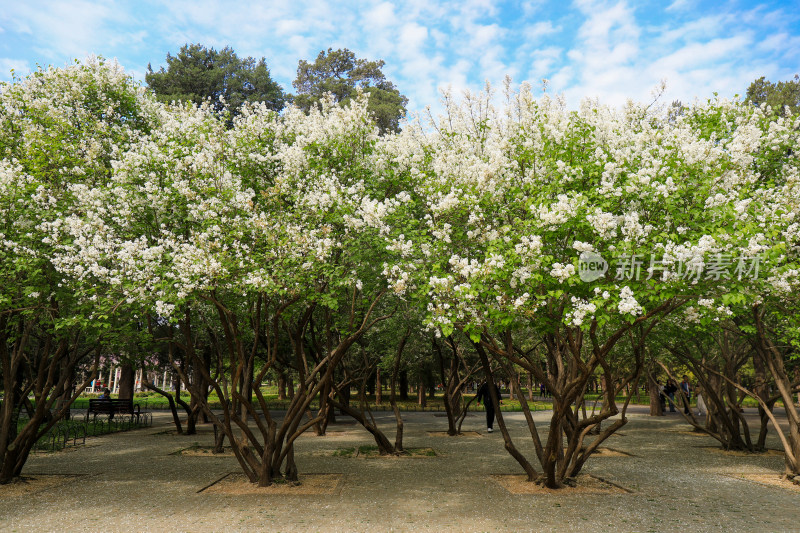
(627, 303)
(506, 184)
(485, 210)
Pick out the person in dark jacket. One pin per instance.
(661, 398)
(107, 396)
(485, 395)
(670, 389)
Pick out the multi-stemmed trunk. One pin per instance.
(43, 369)
(717, 379)
(532, 474)
(266, 452)
(148, 384)
(567, 370)
(773, 360)
(454, 382)
(398, 441)
(363, 415)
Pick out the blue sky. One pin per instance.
(612, 50)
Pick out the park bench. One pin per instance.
(112, 407)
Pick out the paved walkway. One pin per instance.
(131, 482)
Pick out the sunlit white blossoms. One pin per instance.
(627, 303)
(478, 216)
(535, 185)
(580, 309)
(562, 272)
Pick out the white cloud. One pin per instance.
(781, 43)
(484, 35)
(289, 27)
(698, 55)
(703, 28)
(412, 38)
(612, 49)
(19, 66)
(380, 16)
(563, 79)
(67, 30)
(536, 31)
(604, 60)
(677, 5)
(615, 23)
(531, 7)
(544, 60)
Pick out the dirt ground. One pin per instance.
(660, 478)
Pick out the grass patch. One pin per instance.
(422, 452)
(152, 400)
(369, 449)
(198, 450)
(344, 452)
(75, 431)
(372, 451)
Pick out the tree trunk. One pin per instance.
(191, 427)
(398, 440)
(530, 386)
(65, 400)
(344, 397)
(773, 359)
(655, 397)
(450, 382)
(281, 386)
(20, 363)
(761, 389)
(404, 385)
(509, 445)
(384, 446)
(126, 381)
(173, 409)
(378, 387)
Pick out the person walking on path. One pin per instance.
(670, 390)
(686, 388)
(662, 399)
(485, 394)
(701, 403)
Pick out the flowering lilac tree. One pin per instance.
(247, 231)
(61, 128)
(760, 309)
(774, 340)
(716, 356)
(558, 231)
(545, 235)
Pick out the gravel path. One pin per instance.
(132, 482)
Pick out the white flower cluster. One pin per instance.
(580, 308)
(563, 210)
(483, 210)
(627, 303)
(562, 272)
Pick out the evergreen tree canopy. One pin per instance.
(776, 95)
(197, 73)
(340, 73)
